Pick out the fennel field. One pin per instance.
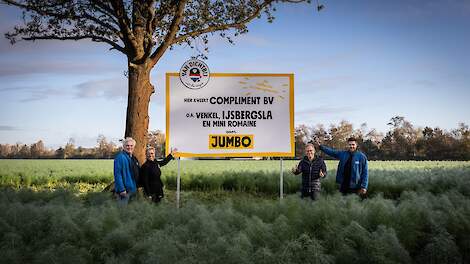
(55, 211)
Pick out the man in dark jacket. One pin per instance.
(312, 169)
(150, 175)
(353, 173)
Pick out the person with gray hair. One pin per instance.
(150, 175)
(312, 169)
(126, 171)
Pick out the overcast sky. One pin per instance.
(360, 61)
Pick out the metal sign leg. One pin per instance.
(281, 182)
(178, 184)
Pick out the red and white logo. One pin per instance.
(194, 74)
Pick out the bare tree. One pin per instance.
(69, 149)
(143, 30)
(37, 149)
(104, 149)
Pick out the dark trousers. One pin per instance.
(349, 191)
(314, 195)
(156, 198)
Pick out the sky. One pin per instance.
(359, 61)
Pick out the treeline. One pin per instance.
(403, 141)
(104, 149)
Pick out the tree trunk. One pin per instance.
(137, 119)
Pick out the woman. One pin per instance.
(150, 175)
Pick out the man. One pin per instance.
(126, 171)
(312, 169)
(353, 173)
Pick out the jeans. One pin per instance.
(124, 200)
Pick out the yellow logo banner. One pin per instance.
(231, 141)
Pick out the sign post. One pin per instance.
(281, 182)
(178, 184)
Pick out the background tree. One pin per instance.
(24, 151)
(156, 139)
(399, 143)
(143, 30)
(5, 151)
(69, 149)
(37, 149)
(462, 134)
(303, 134)
(338, 134)
(104, 149)
(60, 153)
(371, 144)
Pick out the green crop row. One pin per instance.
(257, 177)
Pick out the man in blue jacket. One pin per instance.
(353, 173)
(126, 171)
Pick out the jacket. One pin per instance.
(150, 175)
(359, 169)
(311, 173)
(124, 178)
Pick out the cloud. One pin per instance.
(40, 94)
(33, 93)
(19, 68)
(112, 89)
(109, 88)
(8, 128)
(15, 89)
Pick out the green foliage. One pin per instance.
(37, 227)
(255, 177)
(55, 211)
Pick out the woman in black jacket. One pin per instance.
(150, 175)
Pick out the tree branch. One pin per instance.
(92, 37)
(106, 10)
(104, 24)
(214, 28)
(61, 16)
(170, 36)
(124, 25)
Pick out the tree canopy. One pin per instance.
(139, 29)
(143, 30)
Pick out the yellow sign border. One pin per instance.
(249, 154)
